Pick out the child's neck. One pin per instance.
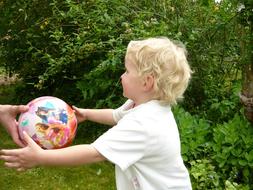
(137, 103)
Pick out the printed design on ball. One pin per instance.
(50, 122)
(53, 126)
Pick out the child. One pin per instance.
(144, 143)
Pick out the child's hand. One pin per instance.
(81, 114)
(22, 158)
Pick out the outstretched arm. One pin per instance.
(8, 115)
(102, 116)
(32, 155)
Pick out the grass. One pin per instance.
(99, 176)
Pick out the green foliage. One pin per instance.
(223, 110)
(203, 175)
(235, 186)
(106, 85)
(232, 149)
(195, 135)
(213, 44)
(61, 46)
(218, 156)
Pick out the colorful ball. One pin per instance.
(50, 122)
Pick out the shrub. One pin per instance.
(232, 150)
(203, 175)
(195, 133)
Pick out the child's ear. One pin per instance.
(148, 83)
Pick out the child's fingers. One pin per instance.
(9, 158)
(12, 152)
(75, 108)
(21, 169)
(28, 139)
(12, 164)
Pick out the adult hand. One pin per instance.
(8, 115)
(22, 158)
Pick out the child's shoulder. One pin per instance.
(151, 109)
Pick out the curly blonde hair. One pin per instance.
(166, 61)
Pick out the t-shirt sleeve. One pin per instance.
(124, 144)
(121, 111)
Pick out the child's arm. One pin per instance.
(103, 116)
(32, 155)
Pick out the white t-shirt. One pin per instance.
(145, 148)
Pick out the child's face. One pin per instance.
(131, 81)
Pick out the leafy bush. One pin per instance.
(221, 110)
(57, 46)
(234, 186)
(232, 149)
(196, 134)
(217, 154)
(203, 175)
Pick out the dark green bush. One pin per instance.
(216, 155)
(196, 135)
(57, 46)
(232, 149)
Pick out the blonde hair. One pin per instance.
(166, 61)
